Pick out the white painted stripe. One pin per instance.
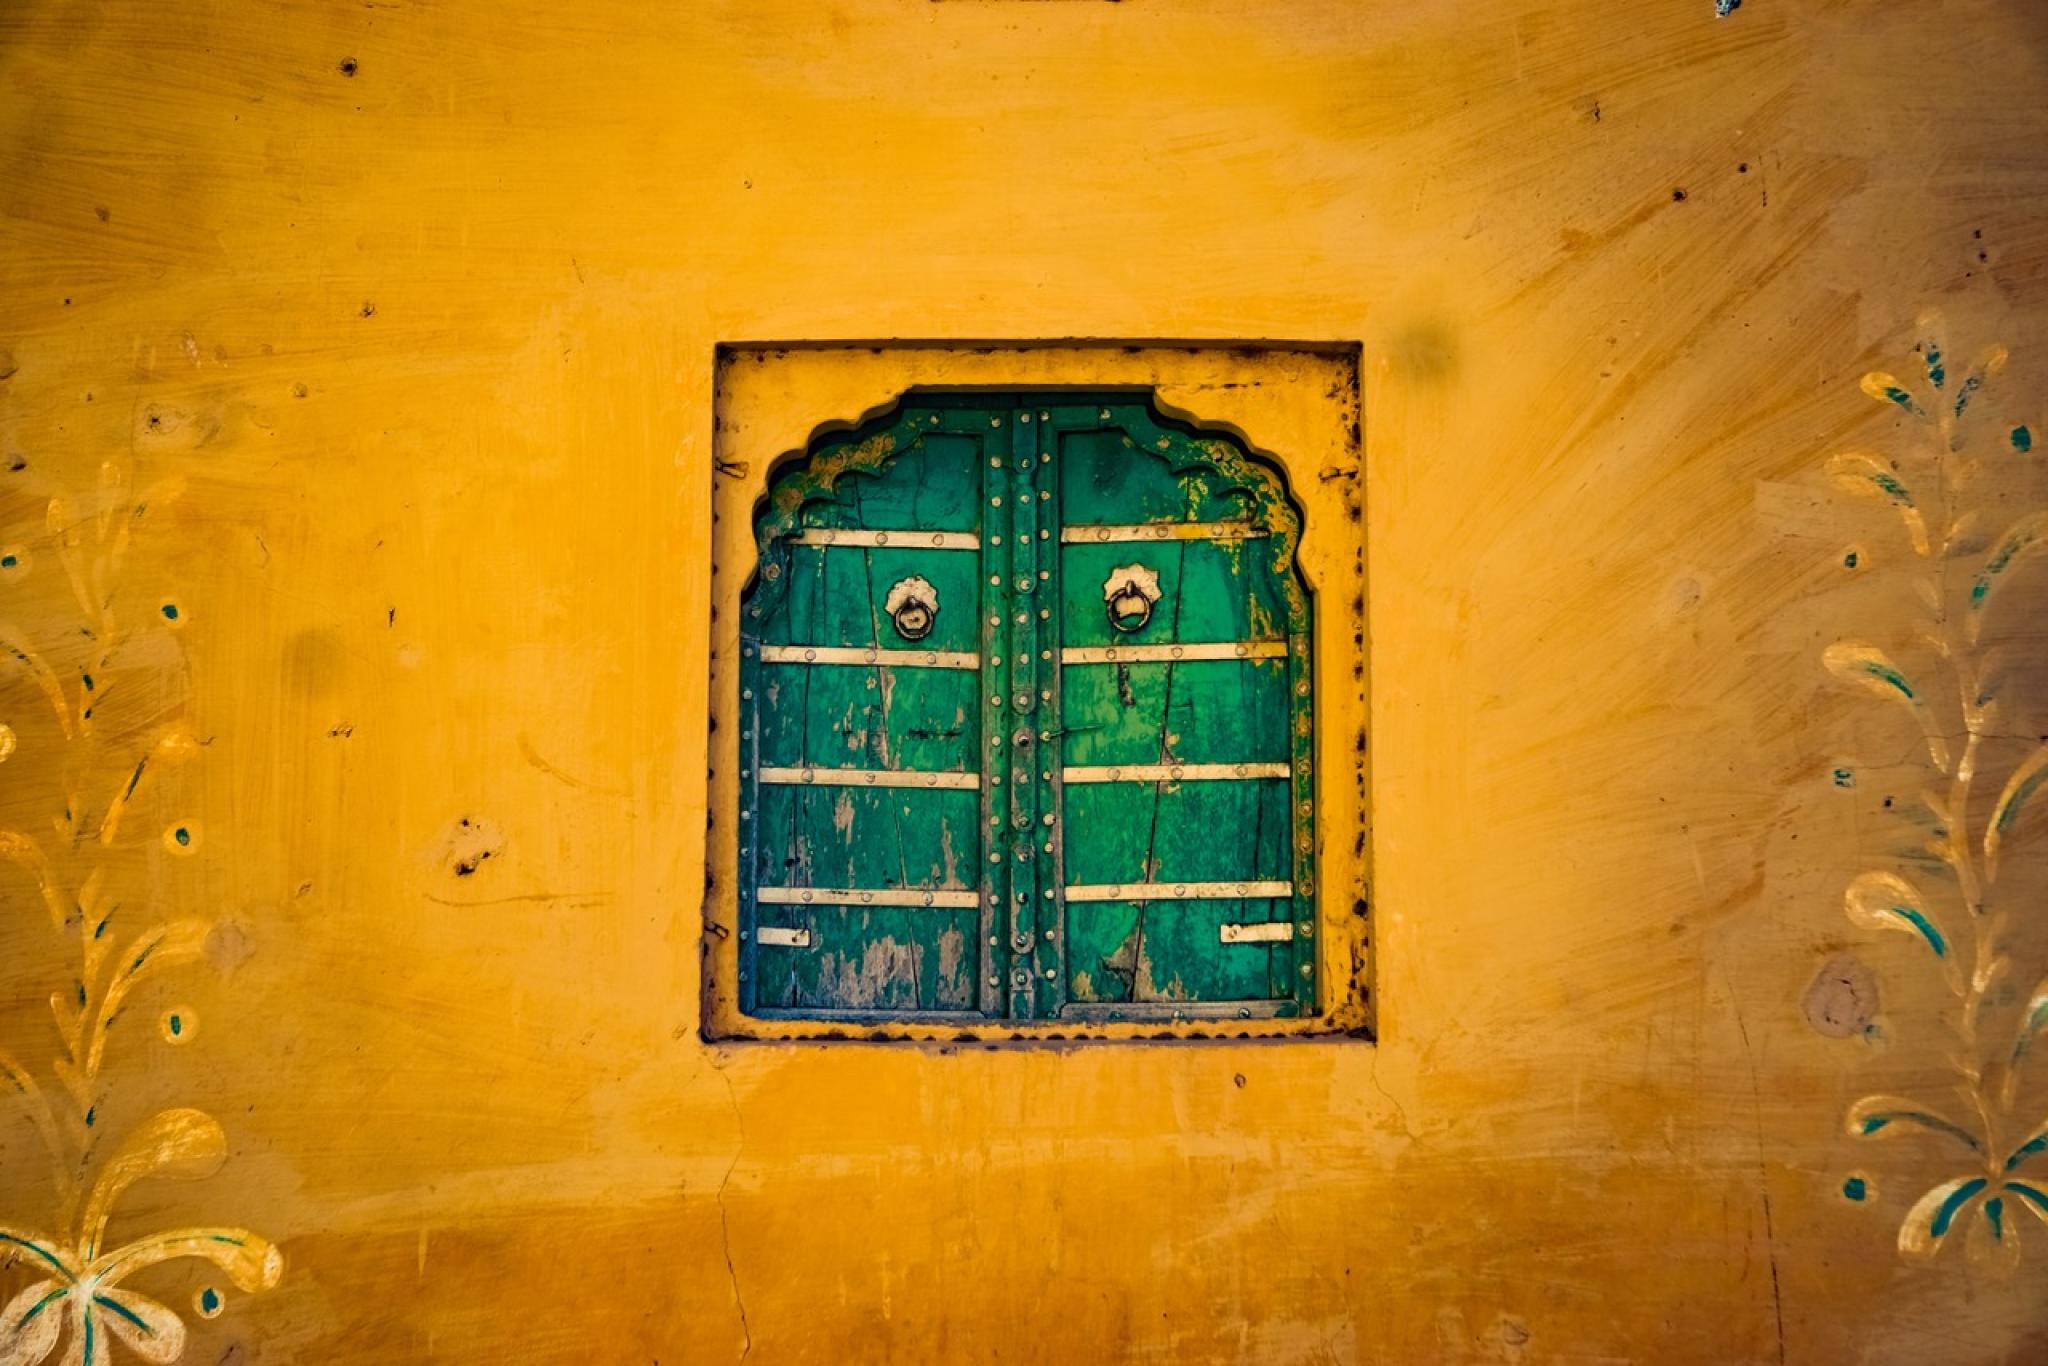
(1170, 654)
(1163, 531)
(1267, 932)
(1168, 773)
(776, 935)
(1178, 891)
(879, 777)
(860, 654)
(910, 540)
(855, 896)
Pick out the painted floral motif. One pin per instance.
(83, 872)
(1949, 520)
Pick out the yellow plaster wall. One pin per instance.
(419, 302)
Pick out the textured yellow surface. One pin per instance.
(420, 303)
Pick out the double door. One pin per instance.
(1028, 716)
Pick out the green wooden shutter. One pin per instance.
(1026, 695)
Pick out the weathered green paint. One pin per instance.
(1015, 470)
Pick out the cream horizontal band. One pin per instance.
(861, 654)
(1178, 891)
(1266, 932)
(1172, 654)
(1168, 773)
(786, 938)
(877, 777)
(855, 896)
(905, 540)
(1163, 531)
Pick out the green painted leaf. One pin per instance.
(2022, 539)
(1864, 475)
(1867, 667)
(1935, 1213)
(1886, 901)
(2020, 788)
(1886, 388)
(1885, 1116)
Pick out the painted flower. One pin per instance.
(1984, 1204)
(82, 1287)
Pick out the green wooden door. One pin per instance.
(1025, 683)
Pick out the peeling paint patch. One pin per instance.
(468, 845)
(1841, 1002)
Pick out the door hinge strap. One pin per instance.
(857, 896)
(1168, 773)
(862, 654)
(1178, 891)
(778, 936)
(1171, 654)
(902, 540)
(879, 777)
(1264, 932)
(1164, 531)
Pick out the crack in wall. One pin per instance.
(724, 1218)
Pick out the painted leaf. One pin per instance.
(1886, 901)
(179, 1145)
(1886, 388)
(251, 1262)
(2029, 1197)
(23, 851)
(1866, 476)
(149, 953)
(1993, 1241)
(2027, 779)
(1989, 364)
(147, 1328)
(1935, 1213)
(2037, 1143)
(1869, 668)
(1875, 1116)
(14, 643)
(2021, 539)
(2031, 1021)
(30, 1323)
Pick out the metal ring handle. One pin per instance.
(1128, 596)
(913, 607)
